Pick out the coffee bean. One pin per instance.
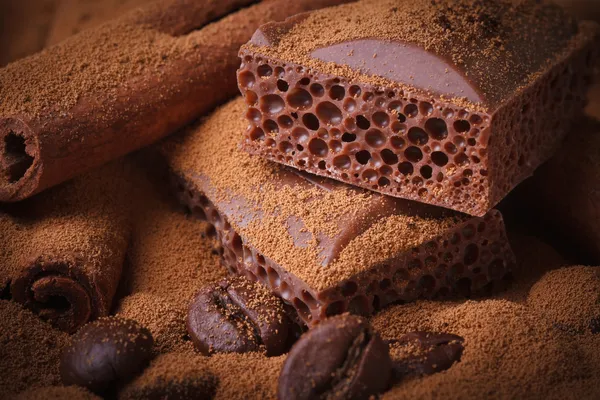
(106, 353)
(238, 316)
(426, 353)
(341, 358)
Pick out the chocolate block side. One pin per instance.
(472, 259)
(403, 144)
(529, 129)
(393, 142)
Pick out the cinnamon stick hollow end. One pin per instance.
(20, 164)
(323, 246)
(450, 103)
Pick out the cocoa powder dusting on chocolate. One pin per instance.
(29, 349)
(501, 45)
(210, 153)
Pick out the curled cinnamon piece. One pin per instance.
(67, 247)
(111, 90)
(58, 297)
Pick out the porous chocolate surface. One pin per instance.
(501, 336)
(480, 105)
(323, 246)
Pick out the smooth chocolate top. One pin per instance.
(319, 230)
(474, 52)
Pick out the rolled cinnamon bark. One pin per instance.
(66, 258)
(113, 89)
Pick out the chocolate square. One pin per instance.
(323, 246)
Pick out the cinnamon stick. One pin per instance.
(110, 90)
(67, 246)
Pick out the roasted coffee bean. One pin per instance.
(238, 316)
(341, 358)
(106, 353)
(427, 353)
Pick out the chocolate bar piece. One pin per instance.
(564, 195)
(114, 89)
(323, 246)
(451, 103)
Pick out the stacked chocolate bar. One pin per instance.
(433, 111)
